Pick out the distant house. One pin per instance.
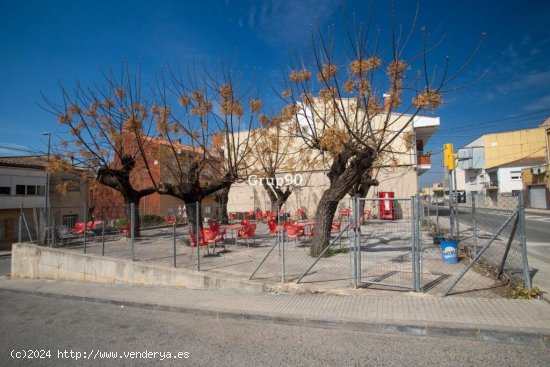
(492, 164)
(23, 188)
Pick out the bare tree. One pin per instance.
(100, 122)
(341, 114)
(213, 123)
(274, 154)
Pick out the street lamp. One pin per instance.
(46, 196)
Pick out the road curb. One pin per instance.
(438, 330)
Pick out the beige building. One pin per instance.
(397, 171)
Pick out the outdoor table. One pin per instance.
(304, 224)
(232, 228)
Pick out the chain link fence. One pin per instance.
(383, 243)
(491, 233)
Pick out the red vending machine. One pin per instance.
(386, 206)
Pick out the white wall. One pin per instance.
(12, 176)
(505, 181)
(242, 197)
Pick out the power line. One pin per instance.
(497, 121)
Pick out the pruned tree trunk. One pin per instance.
(221, 197)
(277, 196)
(137, 223)
(362, 188)
(119, 179)
(344, 173)
(194, 216)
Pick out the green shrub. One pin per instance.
(121, 222)
(151, 220)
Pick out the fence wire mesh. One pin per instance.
(386, 243)
(377, 243)
(482, 221)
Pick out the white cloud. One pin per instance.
(288, 21)
(540, 104)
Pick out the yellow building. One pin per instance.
(494, 164)
(510, 146)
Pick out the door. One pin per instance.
(537, 197)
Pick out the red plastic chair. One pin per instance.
(273, 228)
(250, 214)
(346, 212)
(293, 231)
(233, 216)
(312, 231)
(267, 214)
(170, 219)
(212, 237)
(202, 242)
(215, 226)
(193, 239)
(246, 233)
(245, 222)
(78, 228)
(259, 215)
(335, 227)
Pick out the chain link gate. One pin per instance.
(386, 247)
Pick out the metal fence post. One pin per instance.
(457, 210)
(281, 236)
(437, 215)
(356, 275)
(352, 257)
(428, 207)
(414, 218)
(53, 233)
(418, 252)
(85, 216)
(132, 226)
(20, 234)
(197, 236)
(357, 252)
(474, 224)
(103, 238)
(174, 242)
(523, 240)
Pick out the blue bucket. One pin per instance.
(449, 251)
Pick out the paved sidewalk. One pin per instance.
(513, 321)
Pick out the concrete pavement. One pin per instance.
(505, 320)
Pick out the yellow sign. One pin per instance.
(448, 156)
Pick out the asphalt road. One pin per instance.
(536, 230)
(31, 322)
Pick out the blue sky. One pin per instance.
(46, 42)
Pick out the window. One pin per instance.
(70, 220)
(472, 178)
(31, 190)
(20, 190)
(5, 190)
(515, 175)
(40, 190)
